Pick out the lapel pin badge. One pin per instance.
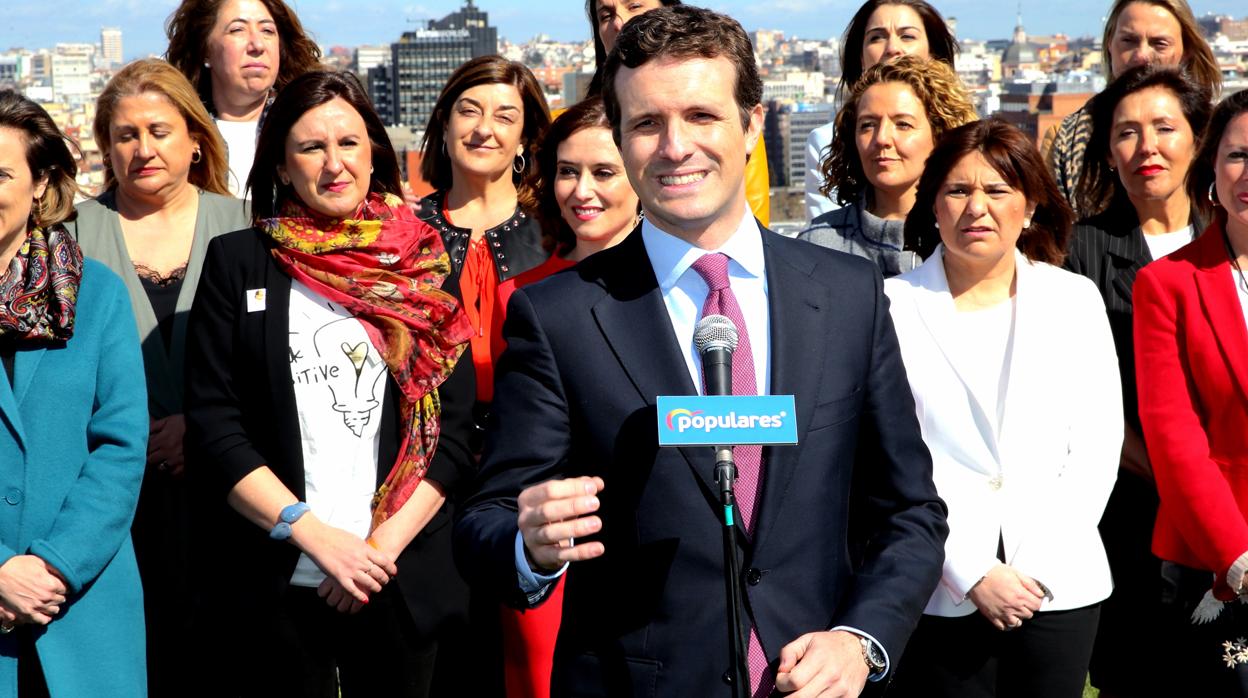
(255, 300)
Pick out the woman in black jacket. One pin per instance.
(1144, 132)
(328, 403)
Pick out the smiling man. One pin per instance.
(834, 582)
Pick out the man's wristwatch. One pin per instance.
(873, 656)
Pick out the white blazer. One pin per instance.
(1042, 479)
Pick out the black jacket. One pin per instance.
(1109, 249)
(587, 352)
(516, 242)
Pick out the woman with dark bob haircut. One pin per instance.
(1145, 126)
(238, 54)
(1012, 367)
(887, 128)
(328, 415)
(73, 435)
(880, 31)
(479, 157)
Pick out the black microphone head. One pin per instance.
(715, 332)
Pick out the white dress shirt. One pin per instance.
(684, 290)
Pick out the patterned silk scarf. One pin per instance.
(386, 267)
(39, 290)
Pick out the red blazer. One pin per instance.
(1191, 350)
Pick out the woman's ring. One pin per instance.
(163, 466)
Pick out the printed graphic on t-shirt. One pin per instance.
(346, 363)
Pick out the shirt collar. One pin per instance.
(671, 256)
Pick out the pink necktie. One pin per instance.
(713, 268)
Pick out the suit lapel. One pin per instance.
(276, 351)
(796, 304)
(25, 363)
(937, 312)
(9, 406)
(1128, 255)
(634, 321)
(1221, 301)
(1024, 389)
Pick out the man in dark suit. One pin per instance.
(841, 536)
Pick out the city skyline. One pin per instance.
(344, 23)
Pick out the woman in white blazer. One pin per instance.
(1016, 387)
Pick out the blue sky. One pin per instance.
(32, 23)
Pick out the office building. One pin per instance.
(110, 47)
(422, 61)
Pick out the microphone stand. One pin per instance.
(725, 477)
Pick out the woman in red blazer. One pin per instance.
(1191, 345)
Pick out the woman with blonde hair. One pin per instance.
(891, 121)
(165, 198)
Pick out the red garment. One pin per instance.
(386, 267)
(478, 285)
(1191, 352)
(529, 635)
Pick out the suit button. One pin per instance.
(754, 576)
(13, 496)
(727, 677)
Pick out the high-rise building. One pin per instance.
(110, 46)
(421, 61)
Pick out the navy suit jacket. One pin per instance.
(850, 530)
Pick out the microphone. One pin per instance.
(715, 337)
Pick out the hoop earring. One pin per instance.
(196, 157)
(519, 168)
(1213, 194)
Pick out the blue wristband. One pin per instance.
(289, 515)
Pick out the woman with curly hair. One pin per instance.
(881, 30)
(238, 54)
(891, 121)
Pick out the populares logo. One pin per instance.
(680, 414)
(680, 420)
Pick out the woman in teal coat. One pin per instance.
(73, 435)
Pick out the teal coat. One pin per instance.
(73, 440)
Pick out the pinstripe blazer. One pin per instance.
(1109, 249)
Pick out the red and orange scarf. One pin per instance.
(386, 267)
